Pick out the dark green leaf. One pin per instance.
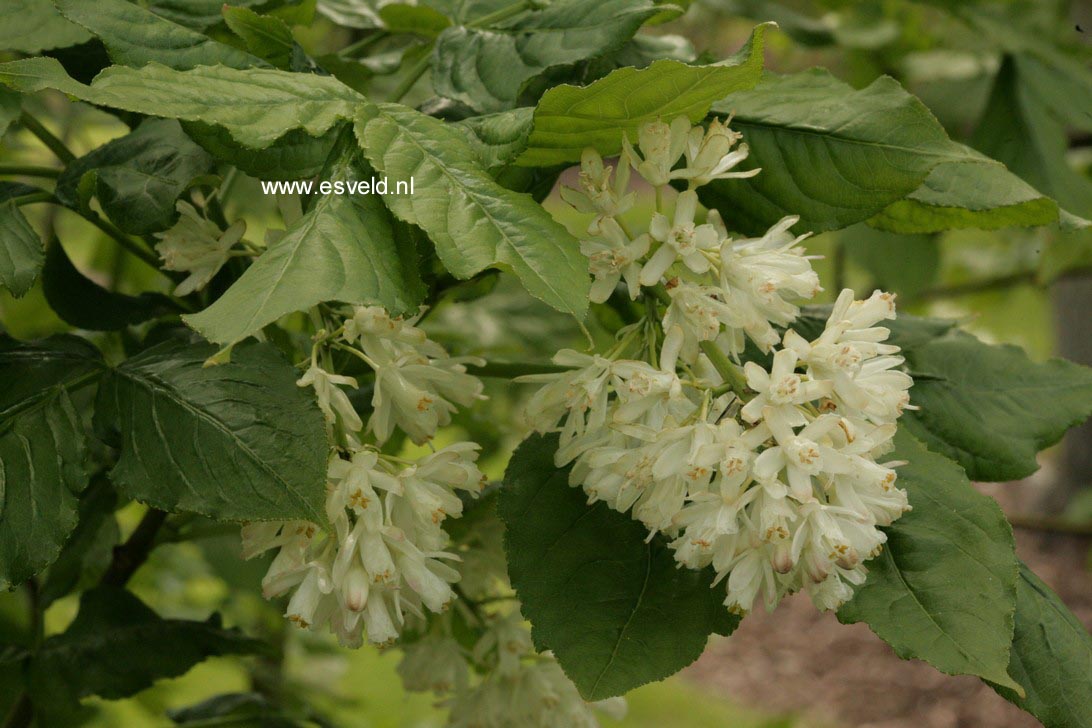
(42, 449)
(1051, 657)
(10, 107)
(21, 251)
(117, 646)
(613, 607)
(569, 118)
(134, 37)
(474, 222)
(197, 14)
(88, 551)
(31, 26)
(138, 177)
(944, 588)
(296, 155)
(265, 36)
(235, 441)
(486, 68)
(343, 249)
(416, 19)
(991, 408)
(86, 305)
(235, 709)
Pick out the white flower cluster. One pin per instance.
(383, 553)
(775, 481)
(518, 687)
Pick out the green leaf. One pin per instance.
(614, 608)
(343, 249)
(31, 26)
(138, 177)
(42, 449)
(296, 155)
(486, 68)
(474, 222)
(361, 14)
(266, 36)
(257, 105)
(134, 36)
(21, 252)
(498, 139)
(235, 709)
(569, 118)
(991, 408)
(416, 19)
(117, 646)
(976, 193)
(236, 441)
(89, 549)
(944, 588)
(11, 105)
(86, 305)
(198, 14)
(1051, 657)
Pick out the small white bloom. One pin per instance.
(782, 389)
(612, 257)
(681, 239)
(661, 146)
(710, 156)
(196, 246)
(597, 193)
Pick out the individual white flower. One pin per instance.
(597, 193)
(661, 146)
(333, 401)
(680, 239)
(613, 257)
(646, 393)
(710, 156)
(197, 246)
(782, 389)
(577, 397)
(801, 455)
(696, 314)
(419, 395)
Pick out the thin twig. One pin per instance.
(47, 137)
(1050, 524)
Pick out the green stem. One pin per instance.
(354, 49)
(412, 77)
(47, 137)
(500, 15)
(513, 369)
(733, 377)
(29, 170)
(33, 198)
(124, 240)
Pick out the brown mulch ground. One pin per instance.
(804, 663)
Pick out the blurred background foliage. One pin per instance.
(1011, 79)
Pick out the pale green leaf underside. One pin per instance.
(31, 26)
(343, 249)
(570, 118)
(21, 252)
(1051, 657)
(612, 606)
(134, 36)
(236, 441)
(991, 408)
(486, 68)
(42, 450)
(257, 105)
(473, 221)
(944, 588)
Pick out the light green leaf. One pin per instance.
(976, 193)
(138, 177)
(196, 14)
(991, 408)
(486, 68)
(266, 36)
(42, 450)
(474, 222)
(117, 646)
(416, 19)
(257, 105)
(363, 14)
(21, 251)
(944, 588)
(1051, 657)
(32, 26)
(343, 249)
(612, 606)
(236, 441)
(134, 36)
(499, 138)
(570, 118)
